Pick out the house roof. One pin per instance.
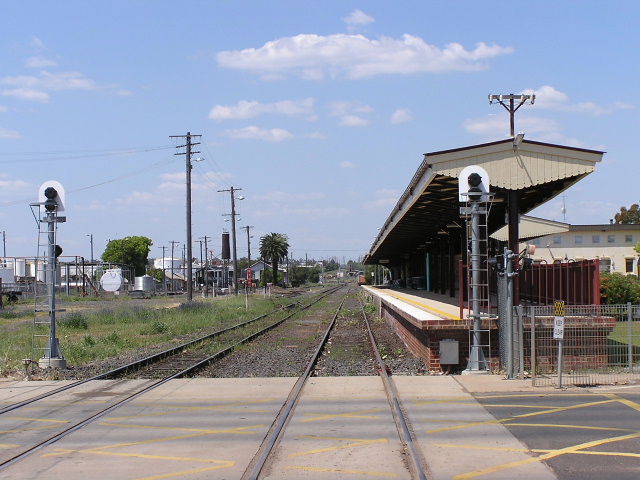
(430, 204)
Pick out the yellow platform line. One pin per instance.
(422, 305)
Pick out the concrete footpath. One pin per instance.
(211, 428)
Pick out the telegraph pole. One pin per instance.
(173, 244)
(248, 244)
(205, 266)
(188, 152)
(233, 233)
(164, 275)
(512, 107)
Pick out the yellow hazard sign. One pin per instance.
(559, 309)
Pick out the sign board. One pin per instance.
(558, 321)
(249, 278)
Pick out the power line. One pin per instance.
(77, 154)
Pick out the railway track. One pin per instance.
(158, 369)
(355, 348)
(187, 360)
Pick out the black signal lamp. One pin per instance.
(50, 203)
(474, 180)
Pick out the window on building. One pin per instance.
(535, 241)
(595, 239)
(605, 265)
(611, 239)
(578, 239)
(628, 265)
(557, 240)
(628, 239)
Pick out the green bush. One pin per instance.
(75, 320)
(616, 288)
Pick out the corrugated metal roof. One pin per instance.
(533, 163)
(537, 171)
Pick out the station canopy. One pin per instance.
(430, 206)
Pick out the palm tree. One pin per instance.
(274, 247)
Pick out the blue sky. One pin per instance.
(319, 111)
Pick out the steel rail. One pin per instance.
(418, 462)
(285, 414)
(137, 364)
(146, 389)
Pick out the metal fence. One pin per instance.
(600, 345)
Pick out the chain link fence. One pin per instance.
(600, 345)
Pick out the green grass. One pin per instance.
(91, 335)
(620, 333)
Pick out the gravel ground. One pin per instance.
(286, 350)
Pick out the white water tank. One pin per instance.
(111, 281)
(20, 267)
(145, 283)
(167, 263)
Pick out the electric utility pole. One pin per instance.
(173, 244)
(233, 233)
(248, 244)
(512, 107)
(188, 152)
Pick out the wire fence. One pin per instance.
(584, 345)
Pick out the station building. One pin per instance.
(424, 241)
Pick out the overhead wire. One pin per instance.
(145, 169)
(78, 154)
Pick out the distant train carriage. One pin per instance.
(361, 280)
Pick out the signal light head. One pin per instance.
(50, 204)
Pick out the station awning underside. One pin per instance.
(429, 208)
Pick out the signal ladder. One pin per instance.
(44, 345)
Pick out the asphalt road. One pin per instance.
(583, 436)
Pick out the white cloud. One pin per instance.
(356, 19)
(26, 94)
(251, 109)
(279, 196)
(548, 97)
(535, 128)
(6, 134)
(347, 112)
(257, 133)
(347, 164)
(35, 87)
(355, 56)
(39, 62)
(384, 199)
(402, 115)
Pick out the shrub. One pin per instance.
(616, 288)
(76, 321)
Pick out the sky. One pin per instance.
(317, 113)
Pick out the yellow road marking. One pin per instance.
(177, 409)
(624, 401)
(358, 414)
(355, 442)
(38, 419)
(343, 471)
(524, 415)
(219, 463)
(552, 454)
(185, 472)
(535, 450)
(202, 431)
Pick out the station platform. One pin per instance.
(429, 305)
(211, 428)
